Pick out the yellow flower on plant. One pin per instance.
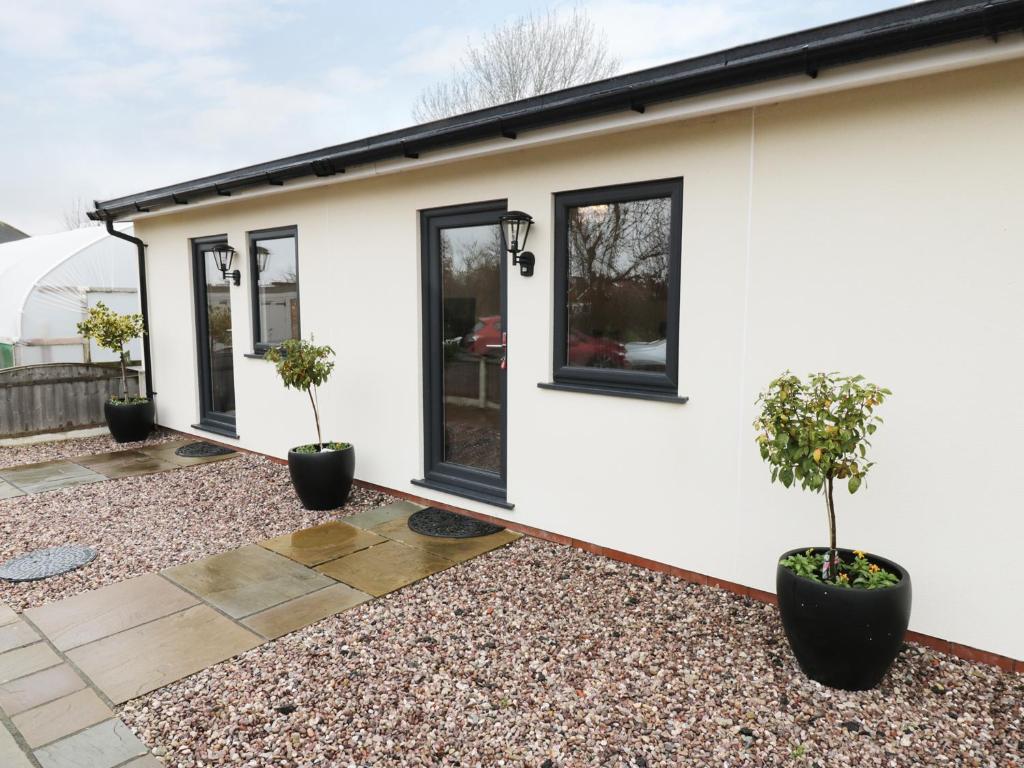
(874, 568)
(858, 553)
(842, 578)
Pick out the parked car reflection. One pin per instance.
(595, 351)
(646, 355)
(485, 337)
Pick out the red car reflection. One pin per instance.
(595, 352)
(584, 350)
(486, 331)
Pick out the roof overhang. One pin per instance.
(764, 72)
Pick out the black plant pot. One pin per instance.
(323, 480)
(129, 422)
(843, 637)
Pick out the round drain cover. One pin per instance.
(44, 563)
(442, 523)
(202, 450)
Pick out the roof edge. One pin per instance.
(899, 30)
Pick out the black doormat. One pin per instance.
(202, 450)
(450, 525)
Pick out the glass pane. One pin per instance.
(617, 303)
(219, 344)
(277, 290)
(471, 347)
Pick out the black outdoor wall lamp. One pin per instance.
(224, 255)
(515, 226)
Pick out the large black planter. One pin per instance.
(322, 480)
(129, 422)
(842, 637)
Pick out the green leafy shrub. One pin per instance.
(113, 331)
(859, 572)
(813, 432)
(304, 365)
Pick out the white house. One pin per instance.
(846, 198)
(47, 283)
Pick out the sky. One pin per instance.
(109, 97)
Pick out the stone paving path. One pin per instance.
(65, 665)
(53, 475)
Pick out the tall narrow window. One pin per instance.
(617, 254)
(274, 266)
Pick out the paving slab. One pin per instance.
(11, 755)
(90, 616)
(106, 745)
(142, 659)
(124, 464)
(61, 717)
(329, 541)
(247, 580)
(456, 550)
(385, 567)
(371, 518)
(7, 614)
(166, 452)
(49, 476)
(17, 634)
(25, 661)
(144, 762)
(8, 491)
(38, 688)
(305, 610)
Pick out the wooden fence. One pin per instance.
(56, 397)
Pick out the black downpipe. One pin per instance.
(143, 303)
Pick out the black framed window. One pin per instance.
(274, 267)
(617, 263)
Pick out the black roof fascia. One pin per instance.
(899, 30)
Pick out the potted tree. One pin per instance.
(321, 472)
(844, 611)
(129, 417)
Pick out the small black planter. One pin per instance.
(842, 637)
(129, 422)
(322, 480)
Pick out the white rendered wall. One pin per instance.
(875, 231)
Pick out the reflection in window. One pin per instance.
(617, 289)
(617, 256)
(472, 345)
(274, 263)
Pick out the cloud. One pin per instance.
(644, 34)
(37, 29)
(434, 50)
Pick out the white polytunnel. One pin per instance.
(47, 284)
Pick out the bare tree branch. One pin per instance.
(74, 216)
(527, 57)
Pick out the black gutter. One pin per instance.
(904, 29)
(143, 303)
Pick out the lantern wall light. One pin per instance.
(515, 227)
(224, 255)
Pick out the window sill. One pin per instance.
(634, 394)
(494, 500)
(216, 429)
(256, 355)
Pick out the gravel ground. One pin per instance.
(535, 655)
(144, 524)
(541, 655)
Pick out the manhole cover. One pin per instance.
(202, 450)
(440, 522)
(44, 563)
